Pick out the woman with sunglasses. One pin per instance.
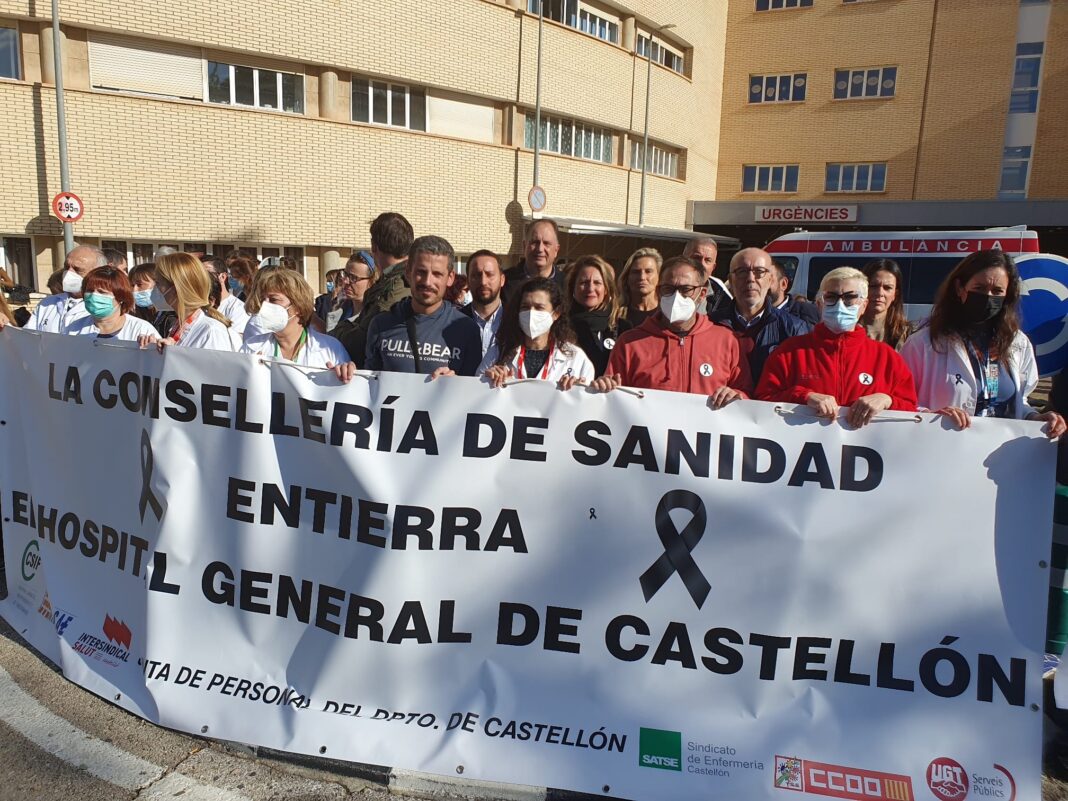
(358, 276)
(838, 364)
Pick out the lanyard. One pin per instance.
(180, 329)
(523, 357)
(300, 344)
(987, 371)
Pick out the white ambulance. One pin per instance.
(925, 257)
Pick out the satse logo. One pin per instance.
(947, 779)
(838, 781)
(660, 749)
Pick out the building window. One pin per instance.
(562, 11)
(771, 5)
(16, 258)
(856, 177)
(598, 26)
(385, 103)
(9, 53)
(570, 138)
(661, 161)
(1025, 78)
(769, 177)
(865, 82)
(778, 88)
(249, 86)
(1015, 165)
(661, 54)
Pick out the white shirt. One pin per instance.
(233, 309)
(568, 360)
(132, 328)
(488, 327)
(56, 314)
(205, 332)
(316, 352)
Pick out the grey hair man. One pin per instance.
(703, 251)
(57, 314)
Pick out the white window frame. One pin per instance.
(864, 76)
(255, 87)
(595, 16)
(871, 165)
(390, 87)
(777, 79)
(663, 162)
(599, 138)
(659, 48)
(771, 190)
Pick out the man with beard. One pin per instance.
(485, 282)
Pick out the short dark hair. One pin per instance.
(391, 233)
(215, 263)
(114, 257)
(113, 280)
(681, 261)
(433, 246)
(478, 254)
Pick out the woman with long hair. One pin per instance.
(594, 309)
(972, 359)
(885, 319)
(109, 299)
(637, 285)
(183, 285)
(536, 341)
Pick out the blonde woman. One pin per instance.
(637, 285)
(283, 305)
(183, 285)
(594, 309)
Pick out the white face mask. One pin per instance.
(677, 307)
(72, 282)
(159, 301)
(272, 317)
(535, 323)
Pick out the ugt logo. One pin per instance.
(678, 545)
(660, 749)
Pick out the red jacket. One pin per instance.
(652, 356)
(846, 366)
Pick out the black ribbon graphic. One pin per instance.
(960, 379)
(148, 497)
(678, 546)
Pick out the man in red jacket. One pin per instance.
(678, 348)
(837, 364)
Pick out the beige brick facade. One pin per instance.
(166, 170)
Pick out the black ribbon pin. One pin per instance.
(148, 497)
(960, 379)
(678, 546)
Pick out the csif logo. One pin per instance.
(660, 749)
(31, 560)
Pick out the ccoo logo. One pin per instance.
(947, 779)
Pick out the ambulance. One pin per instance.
(925, 257)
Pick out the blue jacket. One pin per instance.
(773, 328)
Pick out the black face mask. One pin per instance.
(979, 308)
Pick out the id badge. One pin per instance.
(992, 381)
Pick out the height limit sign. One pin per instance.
(68, 207)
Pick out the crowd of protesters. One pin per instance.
(658, 324)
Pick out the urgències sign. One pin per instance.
(805, 213)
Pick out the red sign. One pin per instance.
(920, 247)
(947, 779)
(838, 781)
(68, 207)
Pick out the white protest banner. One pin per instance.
(633, 596)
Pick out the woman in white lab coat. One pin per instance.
(182, 284)
(109, 299)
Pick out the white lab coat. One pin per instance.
(56, 314)
(947, 379)
(233, 309)
(317, 351)
(207, 333)
(132, 328)
(565, 360)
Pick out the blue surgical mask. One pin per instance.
(99, 306)
(235, 285)
(143, 298)
(329, 286)
(841, 318)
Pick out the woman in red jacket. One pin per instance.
(838, 364)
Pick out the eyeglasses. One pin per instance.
(850, 298)
(686, 290)
(758, 272)
(352, 278)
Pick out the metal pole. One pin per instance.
(537, 97)
(645, 138)
(61, 120)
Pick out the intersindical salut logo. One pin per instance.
(660, 749)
